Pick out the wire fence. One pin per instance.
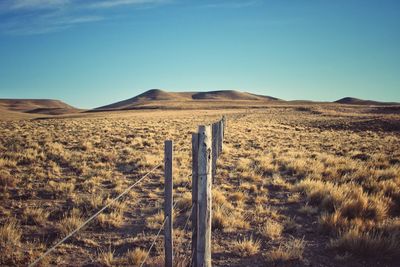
(152, 171)
(214, 141)
(92, 217)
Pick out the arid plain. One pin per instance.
(296, 185)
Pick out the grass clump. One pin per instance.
(106, 258)
(291, 250)
(71, 222)
(246, 247)
(367, 244)
(36, 216)
(136, 256)
(10, 240)
(271, 229)
(155, 221)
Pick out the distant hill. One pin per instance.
(35, 106)
(163, 98)
(357, 101)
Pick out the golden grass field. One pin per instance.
(314, 185)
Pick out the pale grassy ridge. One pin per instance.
(284, 181)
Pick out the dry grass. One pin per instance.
(288, 251)
(106, 258)
(71, 222)
(155, 221)
(314, 173)
(36, 216)
(110, 220)
(246, 247)
(382, 242)
(136, 256)
(10, 239)
(271, 229)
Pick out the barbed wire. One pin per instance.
(92, 217)
(188, 219)
(116, 199)
(154, 241)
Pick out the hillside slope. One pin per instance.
(357, 101)
(159, 98)
(23, 107)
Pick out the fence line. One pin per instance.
(207, 146)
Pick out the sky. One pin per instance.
(95, 52)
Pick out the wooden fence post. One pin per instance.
(214, 148)
(204, 197)
(223, 125)
(220, 136)
(168, 203)
(195, 149)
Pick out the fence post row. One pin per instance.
(168, 203)
(206, 148)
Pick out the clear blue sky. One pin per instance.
(95, 52)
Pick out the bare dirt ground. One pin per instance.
(296, 186)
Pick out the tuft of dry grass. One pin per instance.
(106, 258)
(185, 202)
(375, 243)
(71, 222)
(10, 234)
(246, 247)
(136, 256)
(308, 210)
(271, 229)
(10, 240)
(290, 250)
(109, 220)
(227, 219)
(155, 221)
(35, 215)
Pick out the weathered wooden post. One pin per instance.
(204, 169)
(214, 149)
(195, 150)
(168, 203)
(220, 136)
(224, 123)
